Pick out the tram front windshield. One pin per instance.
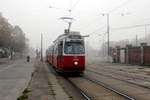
(74, 47)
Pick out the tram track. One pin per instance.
(98, 73)
(85, 96)
(137, 91)
(86, 93)
(125, 75)
(90, 87)
(83, 93)
(109, 88)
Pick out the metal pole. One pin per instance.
(145, 33)
(41, 47)
(69, 27)
(108, 34)
(103, 47)
(136, 40)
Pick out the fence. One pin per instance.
(139, 55)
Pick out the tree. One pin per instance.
(12, 39)
(5, 33)
(18, 40)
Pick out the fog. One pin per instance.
(35, 17)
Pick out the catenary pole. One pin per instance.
(108, 31)
(41, 47)
(108, 35)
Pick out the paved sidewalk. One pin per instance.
(44, 85)
(14, 77)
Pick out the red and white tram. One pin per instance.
(67, 54)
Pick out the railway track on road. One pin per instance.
(87, 84)
(125, 75)
(126, 81)
(83, 93)
(86, 92)
(114, 92)
(85, 96)
(109, 88)
(135, 90)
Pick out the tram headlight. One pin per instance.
(75, 63)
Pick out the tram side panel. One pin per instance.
(56, 57)
(73, 63)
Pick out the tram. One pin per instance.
(67, 54)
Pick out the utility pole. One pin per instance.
(136, 40)
(108, 31)
(145, 33)
(108, 34)
(42, 47)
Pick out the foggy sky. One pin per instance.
(35, 17)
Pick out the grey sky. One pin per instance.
(35, 17)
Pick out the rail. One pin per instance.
(86, 96)
(110, 88)
(98, 73)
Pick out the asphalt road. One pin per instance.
(14, 76)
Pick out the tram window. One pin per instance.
(56, 50)
(60, 47)
(74, 48)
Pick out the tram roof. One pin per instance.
(65, 35)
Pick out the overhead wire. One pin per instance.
(96, 30)
(129, 27)
(120, 6)
(89, 23)
(75, 4)
(123, 4)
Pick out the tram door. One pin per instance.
(60, 54)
